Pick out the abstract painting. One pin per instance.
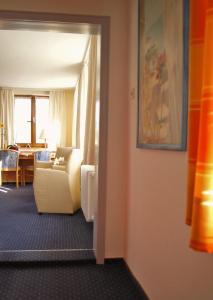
(162, 74)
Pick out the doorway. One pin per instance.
(87, 25)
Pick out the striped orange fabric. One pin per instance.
(197, 18)
(197, 25)
(200, 176)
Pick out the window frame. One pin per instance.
(33, 120)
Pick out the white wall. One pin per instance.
(157, 248)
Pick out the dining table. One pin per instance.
(26, 164)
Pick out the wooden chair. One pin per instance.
(9, 162)
(39, 156)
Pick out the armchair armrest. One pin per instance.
(43, 164)
(49, 179)
(56, 185)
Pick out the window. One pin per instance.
(31, 115)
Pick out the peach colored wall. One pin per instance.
(117, 146)
(157, 249)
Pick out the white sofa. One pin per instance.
(57, 188)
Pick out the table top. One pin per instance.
(28, 153)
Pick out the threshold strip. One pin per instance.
(46, 250)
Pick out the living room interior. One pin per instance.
(49, 126)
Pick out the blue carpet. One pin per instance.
(22, 228)
(64, 281)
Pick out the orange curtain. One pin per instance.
(200, 140)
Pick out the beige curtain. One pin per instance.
(60, 118)
(6, 117)
(76, 118)
(89, 143)
(84, 105)
(80, 107)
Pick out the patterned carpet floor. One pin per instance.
(22, 228)
(63, 281)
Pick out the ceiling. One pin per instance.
(43, 60)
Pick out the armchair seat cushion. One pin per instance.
(43, 164)
(59, 167)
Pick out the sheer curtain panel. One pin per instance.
(6, 117)
(84, 107)
(60, 118)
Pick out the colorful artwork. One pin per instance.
(162, 95)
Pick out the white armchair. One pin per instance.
(57, 189)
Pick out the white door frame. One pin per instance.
(16, 20)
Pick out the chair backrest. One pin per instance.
(64, 152)
(43, 155)
(9, 159)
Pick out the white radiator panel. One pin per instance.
(88, 191)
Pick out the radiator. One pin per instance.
(88, 191)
